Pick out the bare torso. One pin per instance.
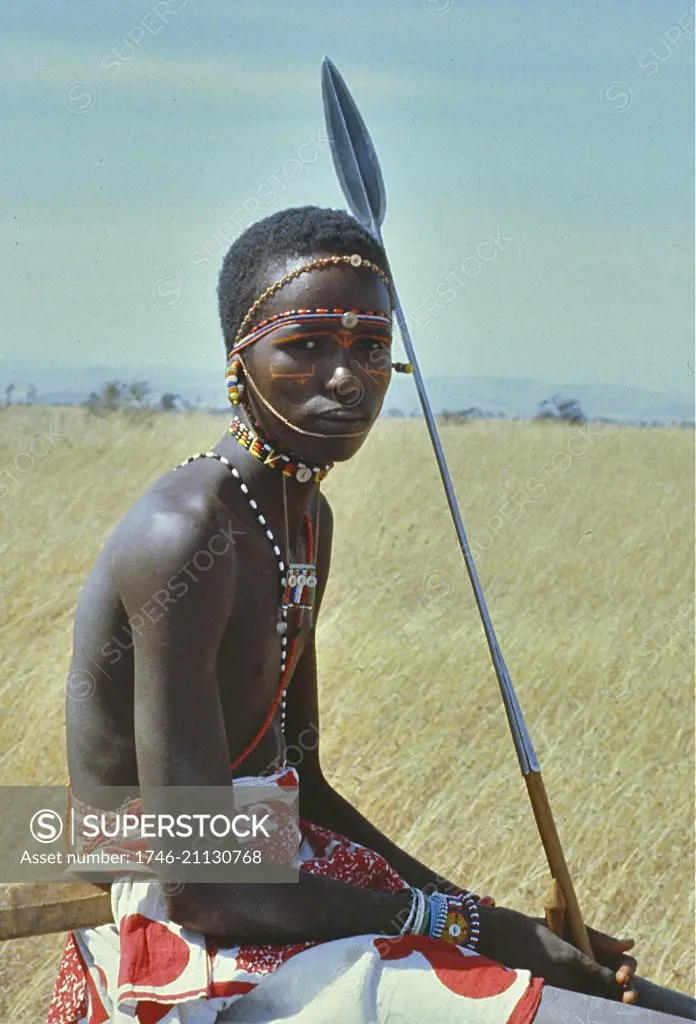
(101, 705)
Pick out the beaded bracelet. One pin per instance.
(456, 929)
(408, 923)
(474, 920)
(438, 911)
(427, 914)
(458, 915)
(450, 918)
(419, 921)
(419, 915)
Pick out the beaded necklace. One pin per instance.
(297, 584)
(300, 579)
(270, 456)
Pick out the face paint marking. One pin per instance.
(301, 378)
(327, 330)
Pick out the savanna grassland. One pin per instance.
(590, 585)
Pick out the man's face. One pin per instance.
(323, 377)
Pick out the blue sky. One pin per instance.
(538, 160)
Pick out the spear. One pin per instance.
(360, 176)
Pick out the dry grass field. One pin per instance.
(590, 585)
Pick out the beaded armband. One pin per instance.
(456, 929)
(455, 919)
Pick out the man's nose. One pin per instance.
(344, 385)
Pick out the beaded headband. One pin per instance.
(319, 264)
(349, 318)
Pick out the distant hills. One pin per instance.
(491, 396)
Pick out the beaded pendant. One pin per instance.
(299, 588)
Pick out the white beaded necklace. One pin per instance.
(281, 625)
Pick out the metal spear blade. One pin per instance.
(353, 154)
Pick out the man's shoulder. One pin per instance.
(176, 514)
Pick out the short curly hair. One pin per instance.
(298, 231)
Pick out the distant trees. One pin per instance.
(167, 402)
(137, 394)
(136, 399)
(466, 415)
(116, 395)
(28, 398)
(556, 409)
(559, 408)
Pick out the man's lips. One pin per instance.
(342, 418)
(341, 414)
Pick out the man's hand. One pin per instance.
(525, 942)
(611, 953)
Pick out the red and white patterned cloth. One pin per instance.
(144, 968)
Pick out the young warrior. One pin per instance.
(218, 573)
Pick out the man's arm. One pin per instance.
(180, 734)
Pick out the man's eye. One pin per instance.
(374, 344)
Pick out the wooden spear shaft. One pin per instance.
(568, 908)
